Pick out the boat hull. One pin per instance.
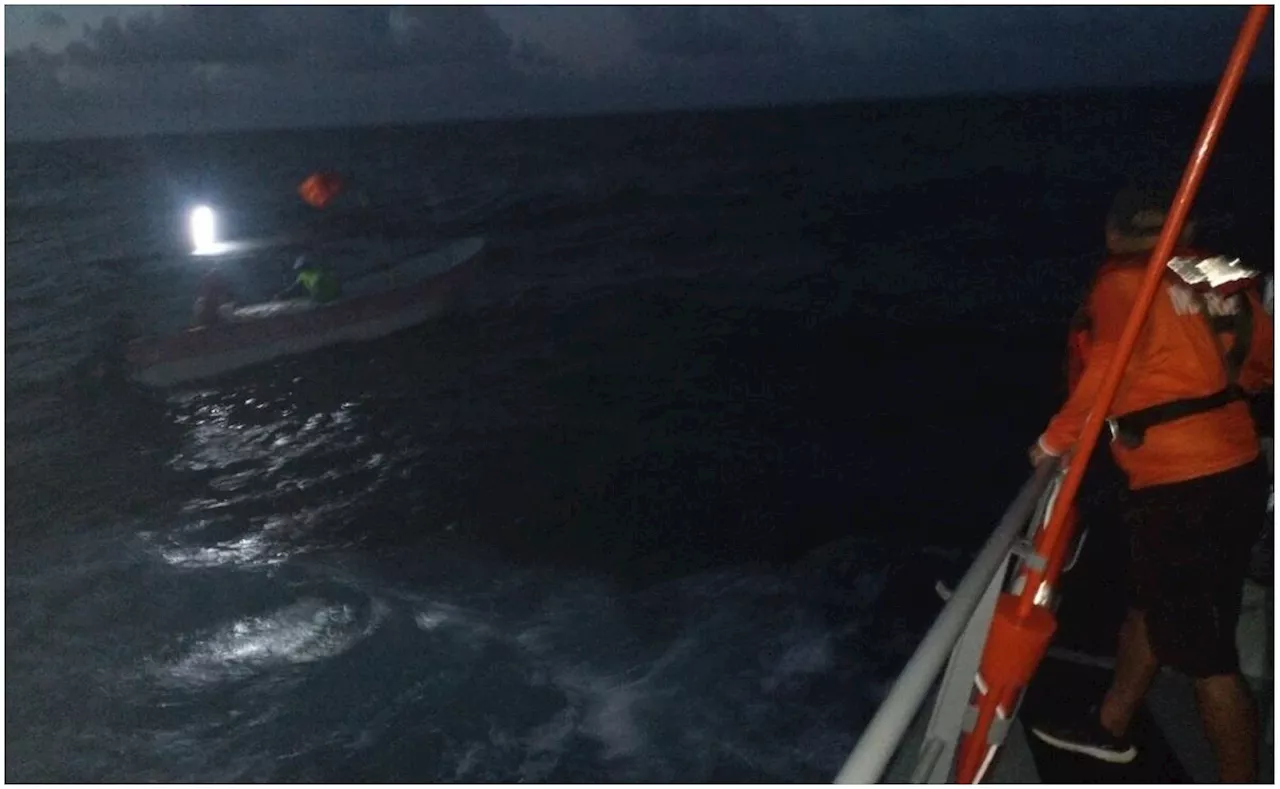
(207, 352)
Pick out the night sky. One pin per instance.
(107, 70)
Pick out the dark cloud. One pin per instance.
(29, 65)
(918, 49)
(1131, 44)
(181, 35)
(348, 37)
(35, 98)
(700, 31)
(30, 74)
(184, 69)
(532, 56)
(189, 69)
(452, 34)
(51, 20)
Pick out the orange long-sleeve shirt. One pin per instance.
(1175, 357)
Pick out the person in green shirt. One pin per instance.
(316, 282)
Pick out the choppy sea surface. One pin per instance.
(662, 498)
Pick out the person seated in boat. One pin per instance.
(314, 281)
(215, 296)
(1197, 484)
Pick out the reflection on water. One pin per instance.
(223, 436)
(240, 668)
(304, 632)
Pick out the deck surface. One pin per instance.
(1062, 688)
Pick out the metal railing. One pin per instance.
(954, 642)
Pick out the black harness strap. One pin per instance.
(1129, 430)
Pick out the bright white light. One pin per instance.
(203, 230)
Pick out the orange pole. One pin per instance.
(1053, 539)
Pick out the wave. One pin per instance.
(306, 631)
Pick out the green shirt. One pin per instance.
(320, 284)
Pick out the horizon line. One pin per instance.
(1261, 81)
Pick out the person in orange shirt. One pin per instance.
(1183, 434)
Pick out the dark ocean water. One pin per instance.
(663, 499)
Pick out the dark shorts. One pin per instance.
(1191, 545)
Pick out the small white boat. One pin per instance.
(373, 305)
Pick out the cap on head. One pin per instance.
(1137, 216)
(1138, 212)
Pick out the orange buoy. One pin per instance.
(319, 189)
(1015, 646)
